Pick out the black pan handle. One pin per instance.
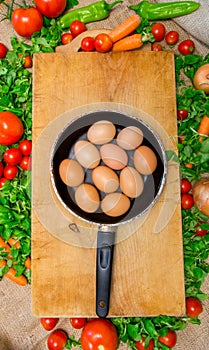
(105, 249)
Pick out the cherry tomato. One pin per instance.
(27, 21)
(11, 128)
(77, 27)
(57, 340)
(2, 181)
(193, 307)
(10, 172)
(25, 163)
(185, 186)
(158, 30)
(1, 169)
(49, 322)
(186, 47)
(103, 43)
(181, 138)
(12, 156)
(140, 345)
(87, 44)
(78, 323)
(187, 201)
(66, 38)
(3, 50)
(99, 333)
(199, 231)
(172, 37)
(27, 61)
(169, 339)
(51, 8)
(156, 47)
(182, 114)
(25, 147)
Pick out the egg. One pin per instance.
(114, 156)
(115, 204)
(130, 137)
(105, 179)
(145, 160)
(101, 132)
(71, 172)
(86, 154)
(131, 182)
(87, 198)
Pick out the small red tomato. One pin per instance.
(2, 181)
(185, 186)
(1, 169)
(87, 44)
(77, 27)
(27, 21)
(199, 231)
(10, 172)
(49, 322)
(169, 339)
(181, 138)
(66, 38)
(25, 147)
(140, 345)
(12, 156)
(186, 47)
(103, 43)
(78, 323)
(193, 307)
(11, 128)
(182, 114)
(156, 47)
(158, 30)
(3, 50)
(25, 163)
(28, 62)
(57, 340)
(172, 37)
(187, 201)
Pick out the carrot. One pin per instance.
(129, 43)
(188, 165)
(21, 280)
(14, 242)
(28, 262)
(4, 245)
(125, 28)
(204, 127)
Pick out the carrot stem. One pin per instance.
(129, 43)
(125, 28)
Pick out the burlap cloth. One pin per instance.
(19, 329)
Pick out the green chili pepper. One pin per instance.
(165, 10)
(91, 13)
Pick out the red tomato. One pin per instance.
(51, 8)
(193, 307)
(2, 181)
(169, 339)
(12, 156)
(103, 43)
(66, 38)
(11, 128)
(78, 323)
(187, 201)
(77, 27)
(25, 147)
(182, 114)
(57, 340)
(25, 163)
(1, 169)
(27, 21)
(49, 323)
(156, 47)
(186, 47)
(140, 345)
(199, 231)
(87, 44)
(185, 186)
(27, 61)
(99, 334)
(172, 37)
(3, 50)
(158, 30)
(10, 172)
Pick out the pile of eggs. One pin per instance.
(115, 179)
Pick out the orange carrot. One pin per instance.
(28, 262)
(4, 245)
(21, 280)
(125, 28)
(188, 165)
(129, 43)
(14, 242)
(204, 127)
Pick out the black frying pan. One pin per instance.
(107, 226)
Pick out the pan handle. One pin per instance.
(105, 249)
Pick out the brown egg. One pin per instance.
(87, 198)
(101, 132)
(130, 138)
(114, 156)
(105, 179)
(131, 182)
(115, 204)
(145, 160)
(71, 172)
(86, 154)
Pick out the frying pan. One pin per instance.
(107, 225)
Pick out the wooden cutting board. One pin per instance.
(148, 272)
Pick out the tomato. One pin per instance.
(11, 128)
(186, 47)
(187, 201)
(185, 186)
(169, 339)
(49, 322)
(12, 156)
(103, 43)
(27, 21)
(66, 38)
(3, 50)
(172, 37)
(57, 340)
(99, 334)
(1, 169)
(51, 8)
(2, 181)
(140, 345)
(77, 27)
(10, 172)
(158, 30)
(156, 47)
(199, 231)
(25, 147)
(193, 307)
(87, 44)
(25, 163)
(182, 114)
(27, 61)
(78, 323)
